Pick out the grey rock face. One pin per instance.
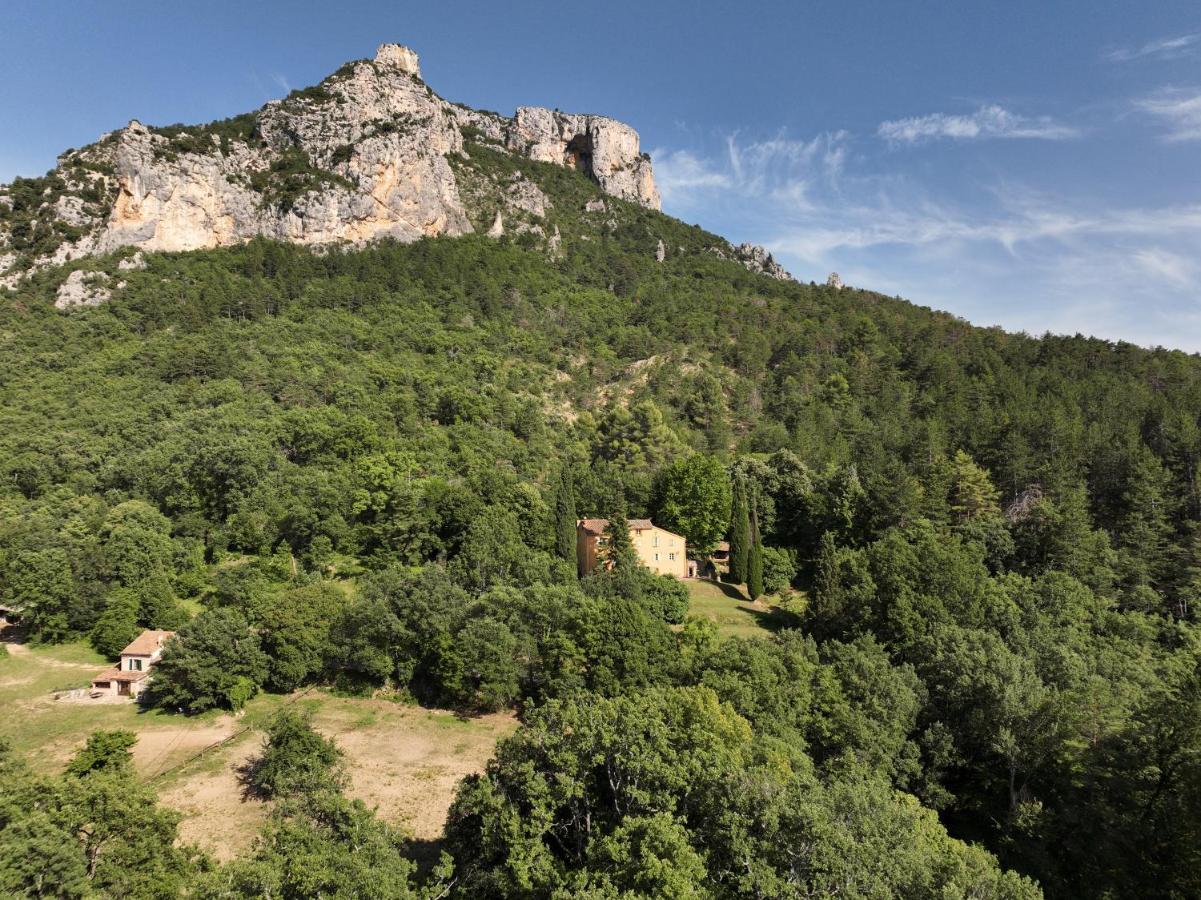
(364, 155)
(604, 149)
(759, 260)
(398, 57)
(835, 281)
(82, 289)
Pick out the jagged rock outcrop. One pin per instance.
(754, 258)
(602, 148)
(366, 154)
(757, 259)
(835, 281)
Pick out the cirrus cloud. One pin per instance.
(1177, 109)
(991, 121)
(1163, 48)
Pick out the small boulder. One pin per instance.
(134, 263)
(82, 289)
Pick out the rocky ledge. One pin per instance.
(365, 154)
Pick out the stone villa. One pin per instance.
(660, 550)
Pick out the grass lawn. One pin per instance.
(727, 606)
(48, 731)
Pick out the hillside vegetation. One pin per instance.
(356, 466)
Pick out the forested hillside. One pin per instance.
(355, 468)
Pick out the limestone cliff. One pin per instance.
(363, 155)
(603, 149)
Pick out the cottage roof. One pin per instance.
(147, 643)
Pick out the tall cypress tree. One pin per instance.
(754, 566)
(565, 517)
(621, 547)
(740, 532)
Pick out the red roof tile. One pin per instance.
(147, 643)
(598, 526)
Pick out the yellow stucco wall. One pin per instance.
(661, 551)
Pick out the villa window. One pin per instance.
(655, 541)
(670, 556)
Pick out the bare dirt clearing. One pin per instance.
(404, 761)
(407, 761)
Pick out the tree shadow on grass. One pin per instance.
(733, 591)
(246, 774)
(770, 618)
(426, 853)
(773, 618)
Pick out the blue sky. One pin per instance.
(1027, 164)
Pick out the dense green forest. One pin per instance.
(360, 469)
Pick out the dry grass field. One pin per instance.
(405, 761)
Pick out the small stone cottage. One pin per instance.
(131, 674)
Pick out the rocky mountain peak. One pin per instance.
(365, 154)
(399, 57)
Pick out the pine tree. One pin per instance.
(973, 495)
(754, 567)
(740, 532)
(565, 517)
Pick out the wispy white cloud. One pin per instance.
(990, 121)
(1177, 109)
(1166, 266)
(282, 81)
(782, 168)
(1163, 48)
(679, 172)
(866, 226)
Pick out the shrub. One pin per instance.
(105, 751)
(296, 759)
(666, 597)
(779, 569)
